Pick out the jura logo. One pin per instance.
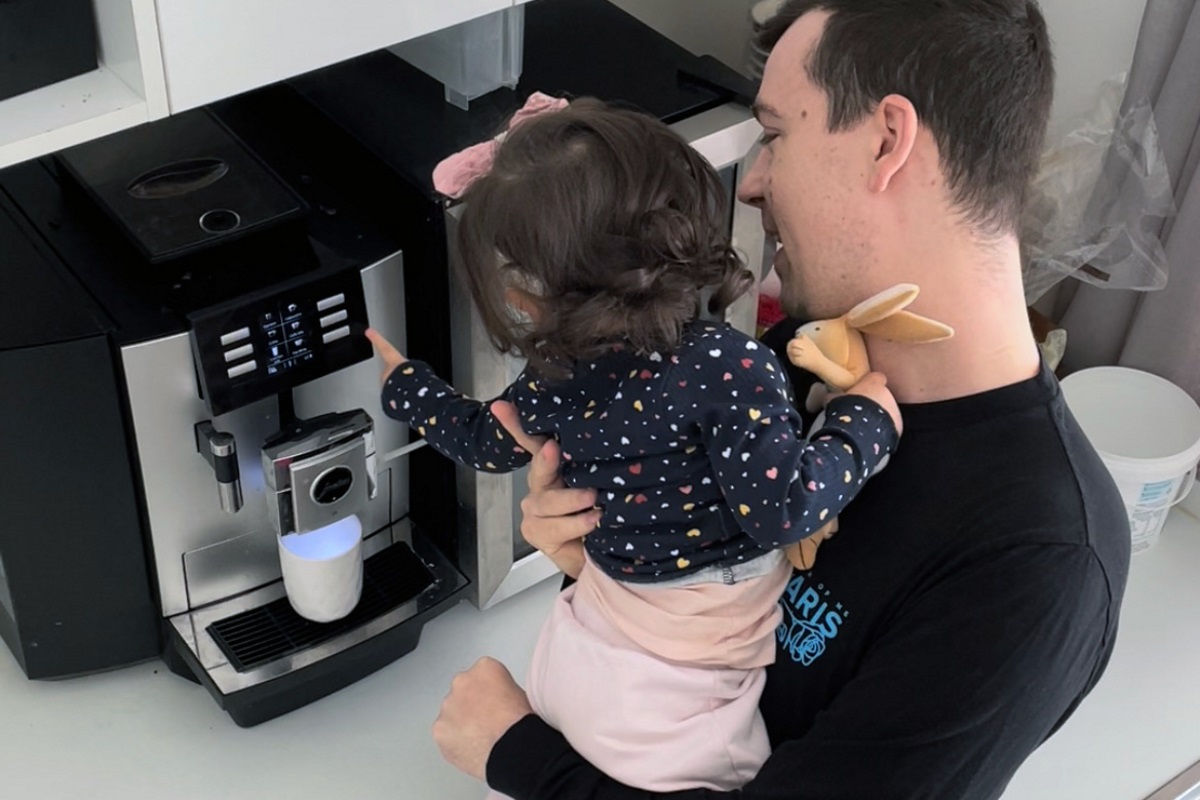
(333, 485)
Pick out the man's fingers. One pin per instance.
(544, 470)
(551, 533)
(506, 414)
(552, 502)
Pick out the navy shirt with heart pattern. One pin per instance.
(698, 456)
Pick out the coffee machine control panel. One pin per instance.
(268, 343)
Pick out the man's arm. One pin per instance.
(964, 683)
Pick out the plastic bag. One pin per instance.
(1098, 204)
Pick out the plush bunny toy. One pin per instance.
(835, 351)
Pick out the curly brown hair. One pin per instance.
(613, 224)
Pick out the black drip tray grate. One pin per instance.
(390, 578)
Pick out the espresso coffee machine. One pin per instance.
(221, 272)
(399, 115)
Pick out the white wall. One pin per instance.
(718, 28)
(1093, 41)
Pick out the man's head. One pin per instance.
(890, 124)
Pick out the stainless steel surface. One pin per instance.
(213, 445)
(192, 627)
(726, 136)
(357, 386)
(182, 514)
(485, 500)
(1184, 786)
(229, 496)
(228, 568)
(334, 430)
(489, 515)
(183, 517)
(295, 505)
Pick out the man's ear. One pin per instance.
(895, 124)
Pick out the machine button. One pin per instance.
(330, 302)
(233, 337)
(239, 353)
(242, 369)
(335, 334)
(337, 316)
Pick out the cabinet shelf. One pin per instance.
(66, 113)
(126, 90)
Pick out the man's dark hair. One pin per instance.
(611, 221)
(979, 72)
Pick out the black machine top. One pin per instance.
(147, 300)
(572, 48)
(181, 185)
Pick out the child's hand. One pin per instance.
(873, 386)
(803, 352)
(391, 357)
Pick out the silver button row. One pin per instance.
(233, 337)
(330, 302)
(334, 318)
(238, 353)
(242, 369)
(335, 334)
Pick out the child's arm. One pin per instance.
(781, 487)
(456, 426)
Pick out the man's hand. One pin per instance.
(484, 702)
(554, 518)
(873, 386)
(390, 356)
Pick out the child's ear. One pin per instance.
(522, 301)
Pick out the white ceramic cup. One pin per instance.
(322, 569)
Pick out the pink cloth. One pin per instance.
(456, 173)
(652, 723)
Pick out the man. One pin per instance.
(970, 598)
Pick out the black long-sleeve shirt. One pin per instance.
(967, 605)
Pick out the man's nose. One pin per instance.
(752, 189)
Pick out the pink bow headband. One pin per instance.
(454, 175)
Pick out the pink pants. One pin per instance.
(659, 687)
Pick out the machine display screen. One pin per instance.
(288, 330)
(264, 345)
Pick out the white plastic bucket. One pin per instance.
(322, 569)
(1147, 432)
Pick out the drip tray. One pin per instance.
(264, 634)
(254, 641)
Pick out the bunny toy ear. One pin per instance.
(882, 305)
(883, 316)
(905, 326)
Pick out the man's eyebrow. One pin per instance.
(762, 109)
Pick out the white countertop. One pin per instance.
(142, 732)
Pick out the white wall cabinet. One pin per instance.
(164, 56)
(126, 90)
(217, 48)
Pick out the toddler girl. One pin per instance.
(590, 247)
